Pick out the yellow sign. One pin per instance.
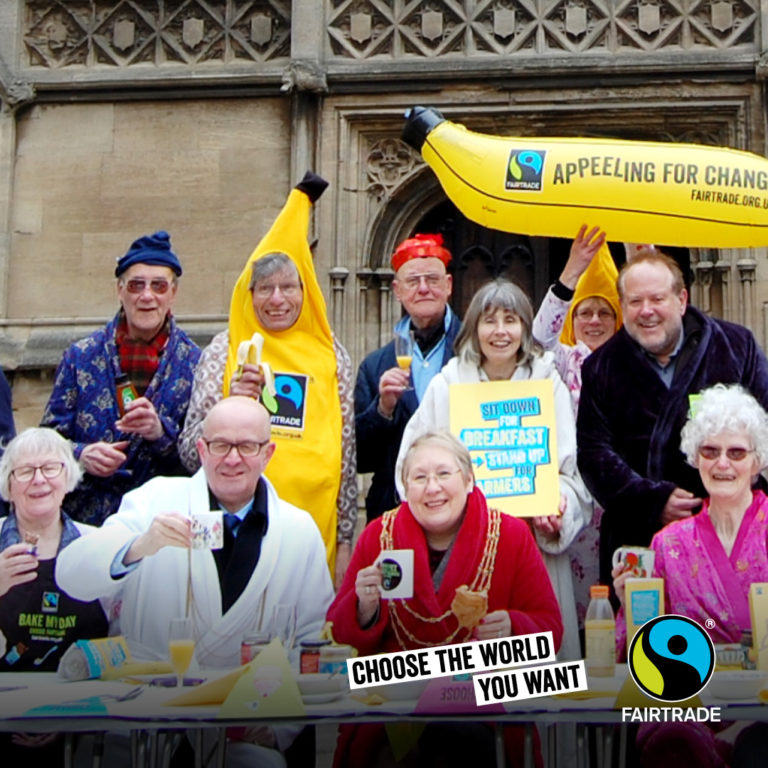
(758, 612)
(637, 191)
(509, 429)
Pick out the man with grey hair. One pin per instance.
(637, 391)
(277, 301)
(278, 298)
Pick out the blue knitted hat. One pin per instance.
(150, 249)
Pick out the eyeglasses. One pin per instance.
(588, 314)
(136, 285)
(48, 471)
(265, 290)
(441, 477)
(711, 452)
(246, 449)
(414, 281)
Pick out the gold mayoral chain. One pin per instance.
(470, 603)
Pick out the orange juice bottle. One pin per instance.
(600, 633)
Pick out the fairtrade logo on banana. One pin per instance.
(249, 351)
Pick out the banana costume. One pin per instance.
(598, 279)
(640, 191)
(304, 397)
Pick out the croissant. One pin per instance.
(469, 607)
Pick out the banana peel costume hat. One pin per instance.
(598, 279)
(306, 414)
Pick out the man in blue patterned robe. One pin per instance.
(121, 451)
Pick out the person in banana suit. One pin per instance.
(309, 391)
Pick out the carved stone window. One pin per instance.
(389, 162)
(119, 33)
(361, 30)
(401, 29)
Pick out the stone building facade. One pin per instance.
(120, 117)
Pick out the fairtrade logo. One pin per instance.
(524, 169)
(391, 574)
(671, 658)
(289, 387)
(288, 407)
(50, 602)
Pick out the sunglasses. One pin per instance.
(136, 285)
(711, 452)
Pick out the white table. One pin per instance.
(35, 705)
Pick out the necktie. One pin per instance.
(232, 522)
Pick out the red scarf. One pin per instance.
(466, 553)
(139, 359)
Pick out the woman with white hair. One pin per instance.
(709, 560)
(36, 471)
(38, 621)
(495, 343)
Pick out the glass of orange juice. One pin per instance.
(404, 351)
(181, 647)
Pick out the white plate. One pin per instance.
(316, 684)
(410, 690)
(737, 684)
(321, 698)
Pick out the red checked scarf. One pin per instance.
(139, 359)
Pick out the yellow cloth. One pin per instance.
(306, 466)
(268, 689)
(210, 693)
(598, 279)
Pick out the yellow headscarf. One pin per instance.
(599, 279)
(306, 467)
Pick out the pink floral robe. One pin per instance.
(700, 580)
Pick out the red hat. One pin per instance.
(420, 247)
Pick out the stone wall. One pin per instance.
(120, 117)
(90, 178)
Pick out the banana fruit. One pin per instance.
(637, 191)
(249, 351)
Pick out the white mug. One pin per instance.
(207, 530)
(637, 560)
(396, 573)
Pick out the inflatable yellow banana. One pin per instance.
(637, 191)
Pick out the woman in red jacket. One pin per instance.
(478, 574)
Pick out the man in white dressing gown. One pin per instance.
(141, 556)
